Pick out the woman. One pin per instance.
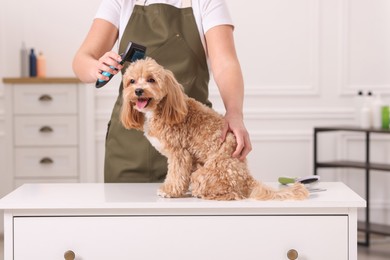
(181, 35)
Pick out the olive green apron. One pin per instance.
(172, 39)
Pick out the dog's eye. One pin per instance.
(132, 81)
(151, 80)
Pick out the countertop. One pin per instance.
(144, 196)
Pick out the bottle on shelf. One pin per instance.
(376, 111)
(385, 117)
(365, 115)
(363, 105)
(41, 65)
(33, 63)
(359, 101)
(24, 61)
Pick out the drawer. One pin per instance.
(46, 162)
(45, 99)
(45, 130)
(182, 237)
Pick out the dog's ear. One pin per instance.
(130, 117)
(175, 107)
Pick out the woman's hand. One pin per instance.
(109, 62)
(235, 124)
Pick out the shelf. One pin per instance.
(353, 164)
(374, 228)
(366, 165)
(351, 129)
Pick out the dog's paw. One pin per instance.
(163, 194)
(168, 191)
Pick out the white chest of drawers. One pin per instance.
(48, 125)
(128, 221)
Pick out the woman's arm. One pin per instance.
(228, 76)
(95, 55)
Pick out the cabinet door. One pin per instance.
(182, 237)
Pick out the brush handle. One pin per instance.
(287, 180)
(100, 83)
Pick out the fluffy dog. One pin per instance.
(188, 133)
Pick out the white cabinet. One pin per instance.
(129, 221)
(47, 127)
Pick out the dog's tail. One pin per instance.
(261, 191)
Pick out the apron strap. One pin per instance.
(184, 3)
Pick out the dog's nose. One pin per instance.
(139, 92)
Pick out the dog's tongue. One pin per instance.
(141, 103)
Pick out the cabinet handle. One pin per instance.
(46, 129)
(292, 254)
(45, 98)
(69, 255)
(46, 160)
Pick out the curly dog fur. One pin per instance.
(188, 133)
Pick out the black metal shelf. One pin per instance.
(354, 164)
(367, 227)
(352, 129)
(374, 228)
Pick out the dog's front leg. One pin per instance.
(177, 182)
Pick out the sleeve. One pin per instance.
(215, 12)
(109, 10)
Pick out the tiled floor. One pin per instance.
(379, 249)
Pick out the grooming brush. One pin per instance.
(307, 181)
(133, 52)
(304, 180)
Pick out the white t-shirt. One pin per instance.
(207, 13)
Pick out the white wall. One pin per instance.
(303, 62)
(55, 27)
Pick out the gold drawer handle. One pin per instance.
(46, 160)
(45, 98)
(292, 254)
(69, 255)
(46, 129)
